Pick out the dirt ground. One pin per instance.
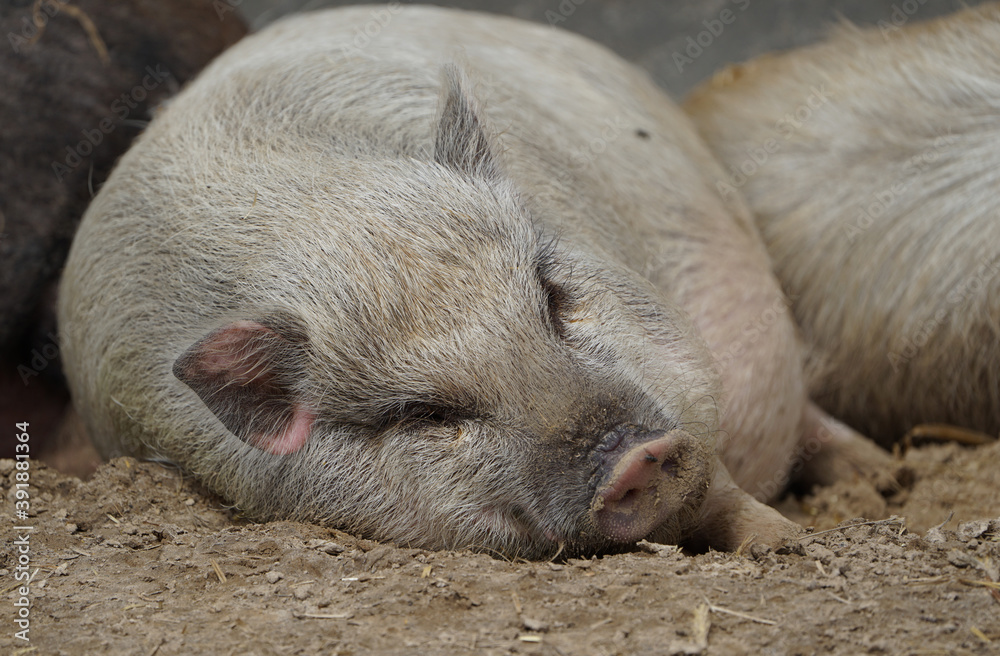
(140, 560)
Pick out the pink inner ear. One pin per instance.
(246, 373)
(227, 351)
(293, 437)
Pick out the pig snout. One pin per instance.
(645, 477)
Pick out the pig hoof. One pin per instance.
(757, 524)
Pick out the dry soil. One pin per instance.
(141, 560)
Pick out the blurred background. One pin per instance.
(657, 34)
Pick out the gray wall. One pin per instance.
(657, 34)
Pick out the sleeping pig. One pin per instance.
(871, 163)
(464, 282)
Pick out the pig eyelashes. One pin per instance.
(416, 413)
(557, 299)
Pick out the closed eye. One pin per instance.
(556, 298)
(420, 412)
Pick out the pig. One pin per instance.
(79, 80)
(463, 282)
(69, 94)
(870, 164)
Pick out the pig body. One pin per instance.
(876, 186)
(464, 284)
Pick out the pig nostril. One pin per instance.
(669, 467)
(628, 500)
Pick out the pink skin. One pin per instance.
(242, 358)
(642, 492)
(294, 436)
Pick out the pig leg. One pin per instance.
(830, 451)
(730, 519)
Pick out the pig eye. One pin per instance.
(556, 301)
(556, 298)
(419, 412)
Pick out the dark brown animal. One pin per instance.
(79, 82)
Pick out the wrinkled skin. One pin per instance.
(878, 199)
(467, 286)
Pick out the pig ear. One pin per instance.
(462, 141)
(247, 375)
